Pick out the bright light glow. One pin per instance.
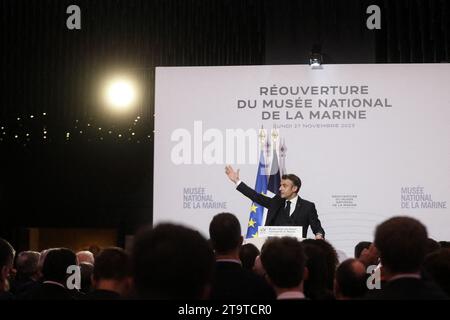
(120, 93)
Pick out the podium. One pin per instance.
(265, 232)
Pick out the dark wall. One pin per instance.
(414, 31)
(338, 28)
(98, 179)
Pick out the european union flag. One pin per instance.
(257, 211)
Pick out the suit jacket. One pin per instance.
(304, 215)
(19, 286)
(102, 295)
(48, 291)
(407, 289)
(233, 282)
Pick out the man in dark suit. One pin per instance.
(402, 243)
(172, 262)
(111, 275)
(286, 208)
(285, 263)
(27, 276)
(55, 277)
(231, 281)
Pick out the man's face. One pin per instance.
(287, 189)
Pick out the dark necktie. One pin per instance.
(288, 208)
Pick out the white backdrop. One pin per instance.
(393, 159)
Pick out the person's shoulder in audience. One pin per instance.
(99, 294)
(6, 296)
(403, 244)
(407, 289)
(47, 291)
(232, 281)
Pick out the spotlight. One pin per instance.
(315, 61)
(315, 58)
(120, 93)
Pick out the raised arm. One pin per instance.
(246, 190)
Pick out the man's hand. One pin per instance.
(232, 175)
(319, 236)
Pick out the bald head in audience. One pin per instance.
(350, 282)
(85, 257)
